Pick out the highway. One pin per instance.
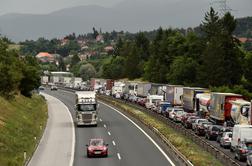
(128, 145)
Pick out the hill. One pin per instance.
(128, 15)
(244, 27)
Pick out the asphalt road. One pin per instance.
(56, 147)
(128, 145)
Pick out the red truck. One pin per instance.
(220, 107)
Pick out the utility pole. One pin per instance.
(222, 6)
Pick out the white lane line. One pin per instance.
(104, 126)
(100, 120)
(109, 133)
(113, 142)
(119, 156)
(158, 147)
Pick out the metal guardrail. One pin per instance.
(217, 153)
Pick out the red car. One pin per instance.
(97, 147)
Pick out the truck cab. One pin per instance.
(86, 108)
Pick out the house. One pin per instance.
(45, 57)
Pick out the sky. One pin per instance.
(47, 6)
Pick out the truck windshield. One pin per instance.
(86, 107)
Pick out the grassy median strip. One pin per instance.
(22, 121)
(193, 152)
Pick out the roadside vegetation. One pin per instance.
(23, 115)
(194, 153)
(22, 121)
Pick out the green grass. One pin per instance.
(192, 151)
(21, 121)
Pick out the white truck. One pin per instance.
(174, 94)
(240, 133)
(152, 100)
(86, 108)
(241, 112)
(118, 89)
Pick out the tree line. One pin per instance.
(18, 74)
(211, 57)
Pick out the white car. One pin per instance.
(173, 112)
(196, 123)
(225, 140)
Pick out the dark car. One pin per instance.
(201, 128)
(222, 130)
(97, 147)
(190, 120)
(212, 132)
(243, 149)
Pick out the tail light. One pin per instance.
(243, 150)
(226, 139)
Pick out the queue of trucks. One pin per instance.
(218, 107)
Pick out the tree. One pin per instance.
(115, 68)
(10, 71)
(183, 71)
(248, 67)
(87, 71)
(221, 60)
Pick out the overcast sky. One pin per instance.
(47, 6)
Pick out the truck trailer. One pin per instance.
(241, 112)
(189, 97)
(143, 89)
(220, 107)
(174, 94)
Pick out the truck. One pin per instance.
(189, 97)
(109, 84)
(174, 94)
(54, 79)
(220, 107)
(152, 100)
(118, 89)
(86, 108)
(240, 133)
(241, 112)
(44, 80)
(143, 89)
(202, 104)
(157, 89)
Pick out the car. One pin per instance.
(173, 112)
(41, 88)
(178, 116)
(53, 87)
(190, 121)
(222, 130)
(167, 111)
(225, 140)
(201, 128)
(97, 147)
(243, 149)
(185, 117)
(196, 123)
(212, 132)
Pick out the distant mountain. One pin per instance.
(129, 15)
(244, 27)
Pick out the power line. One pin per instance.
(222, 6)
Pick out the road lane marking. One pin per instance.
(105, 126)
(113, 142)
(158, 147)
(100, 120)
(109, 133)
(119, 156)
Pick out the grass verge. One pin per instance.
(193, 152)
(22, 121)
